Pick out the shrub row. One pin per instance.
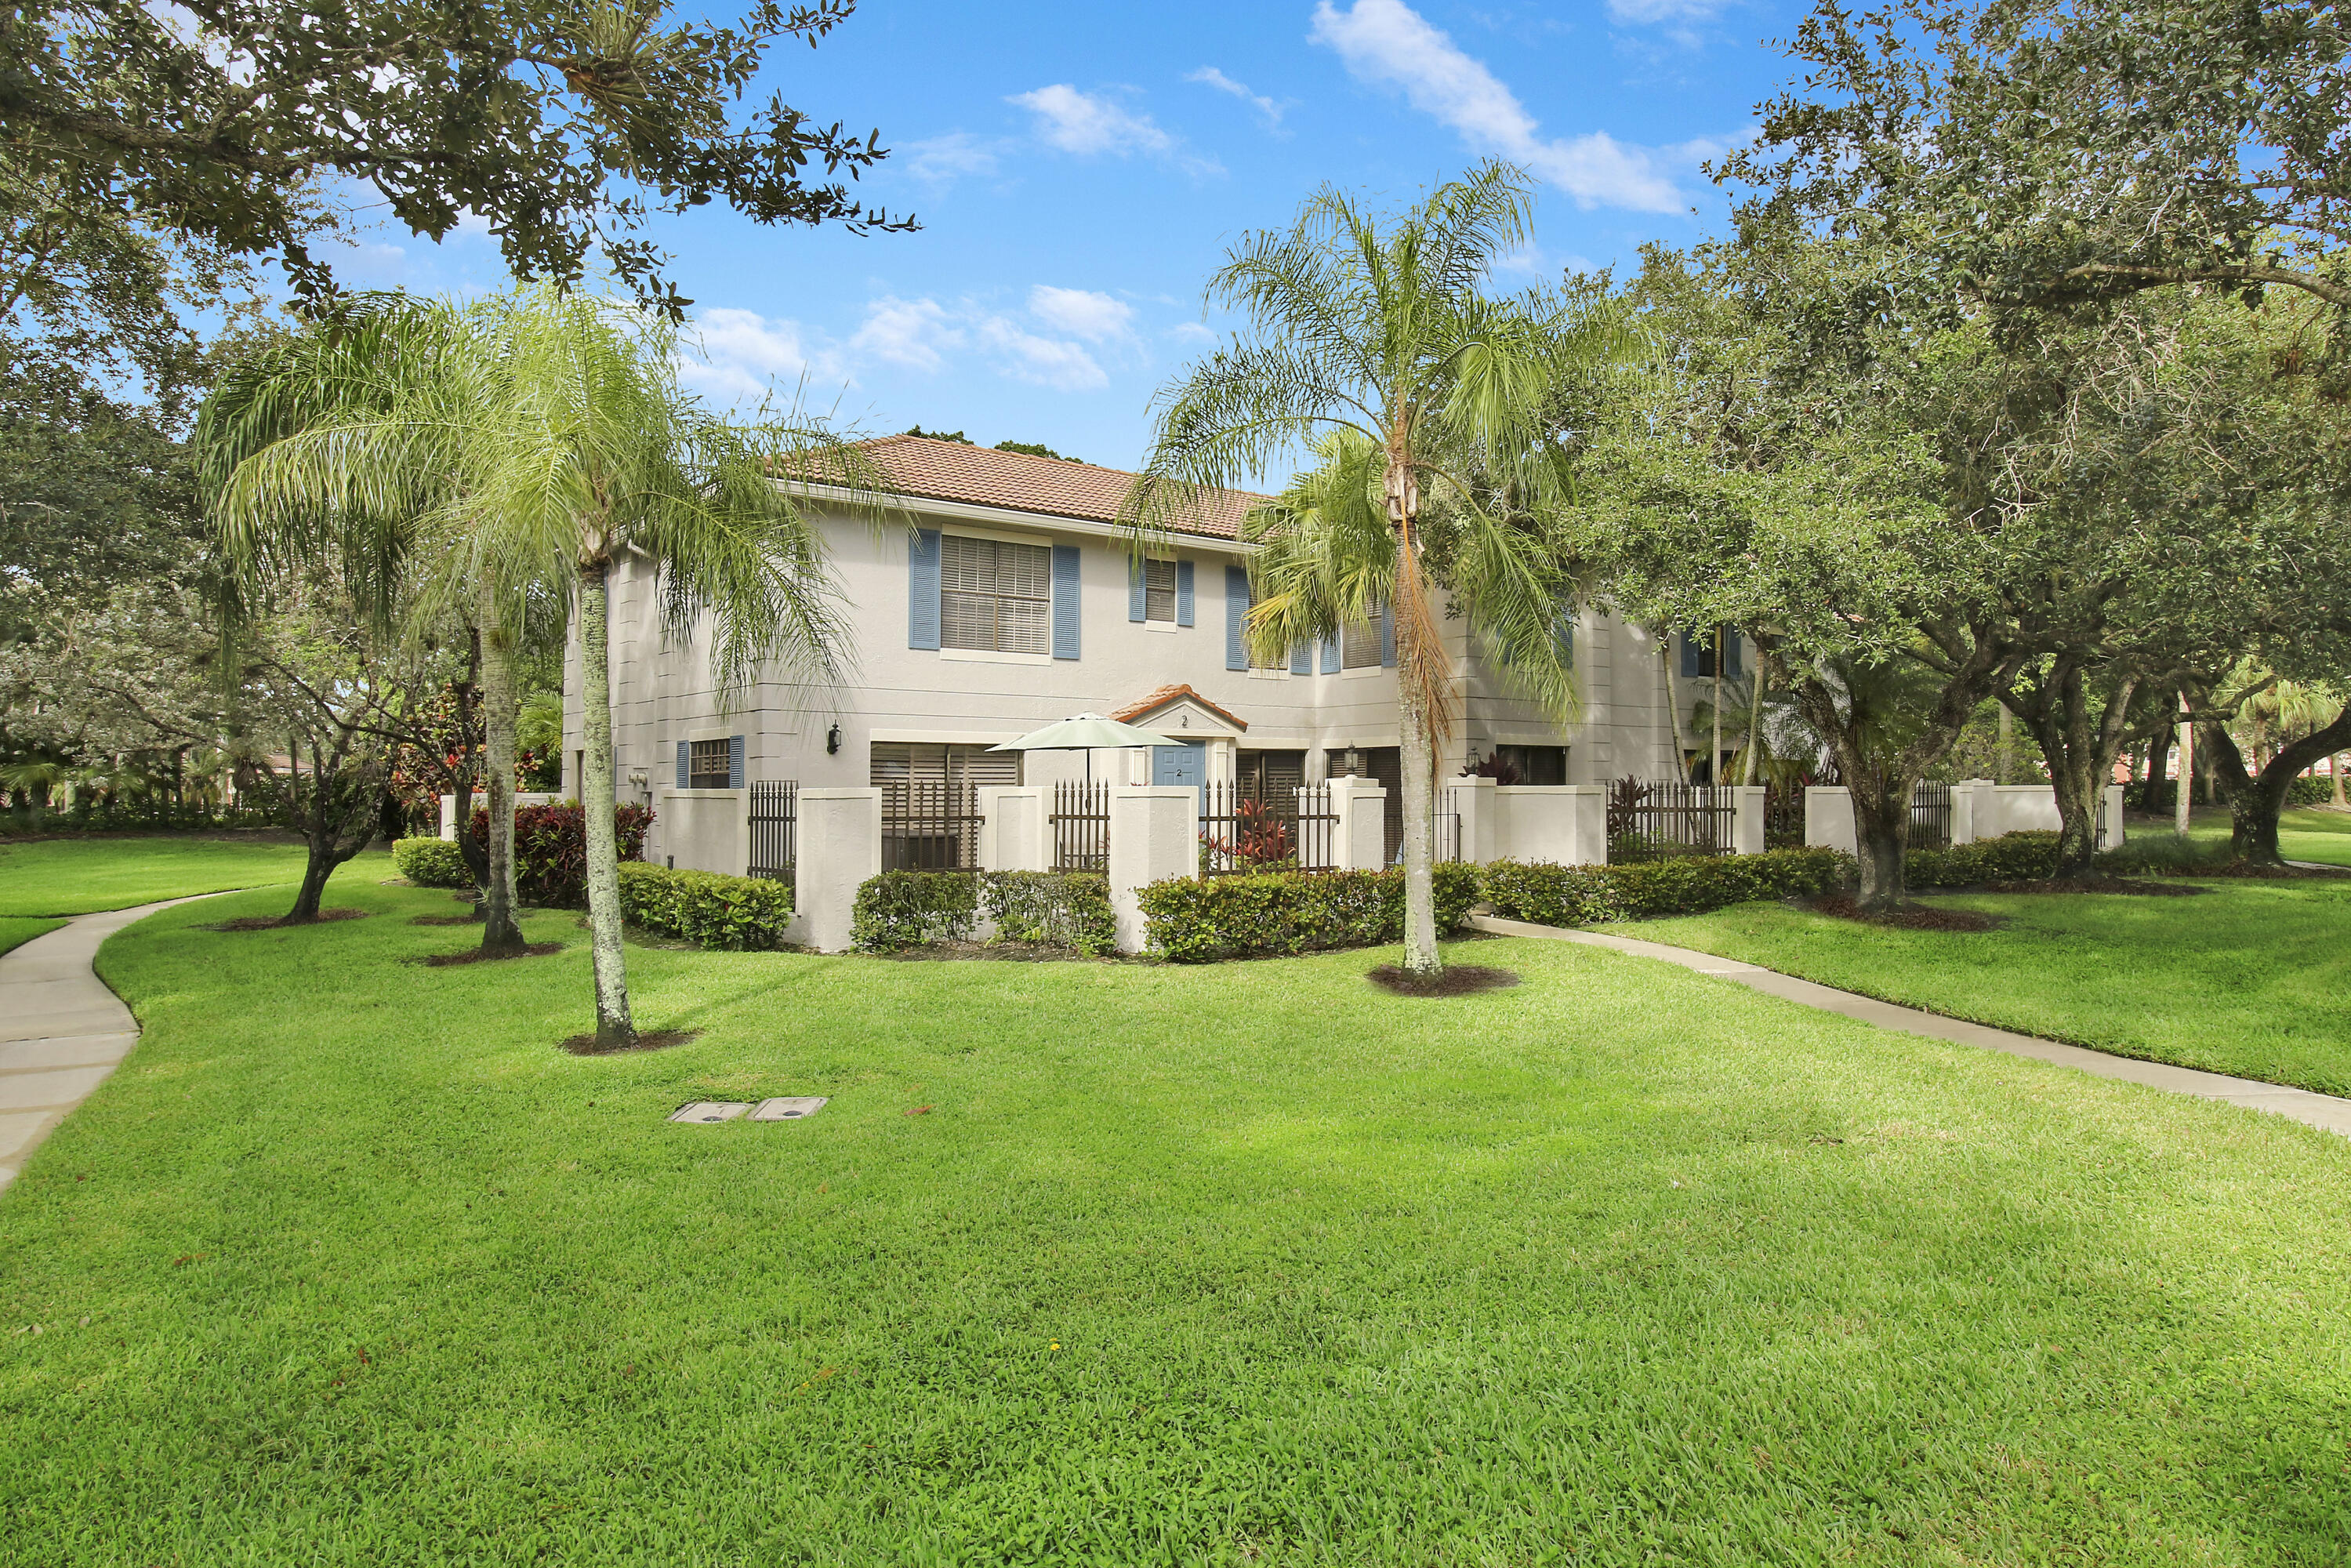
(1063, 909)
(731, 914)
(430, 863)
(2027, 856)
(1683, 884)
(551, 848)
(1292, 911)
(903, 909)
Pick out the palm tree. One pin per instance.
(358, 442)
(1430, 411)
(599, 455)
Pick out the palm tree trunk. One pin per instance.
(1755, 727)
(1714, 756)
(1674, 706)
(2335, 774)
(2181, 806)
(613, 1026)
(501, 937)
(1416, 755)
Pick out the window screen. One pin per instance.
(1159, 591)
(995, 596)
(707, 765)
(1359, 644)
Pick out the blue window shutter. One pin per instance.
(1182, 593)
(1134, 588)
(923, 590)
(1329, 655)
(684, 762)
(1689, 655)
(1065, 601)
(1302, 658)
(1387, 637)
(1237, 618)
(733, 762)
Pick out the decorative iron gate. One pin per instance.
(774, 829)
(1931, 816)
(1446, 844)
(1244, 828)
(1080, 823)
(1318, 828)
(1655, 820)
(930, 827)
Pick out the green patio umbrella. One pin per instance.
(1086, 733)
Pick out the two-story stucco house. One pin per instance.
(1012, 600)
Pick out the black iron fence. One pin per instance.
(1446, 829)
(1651, 821)
(1930, 815)
(775, 818)
(930, 827)
(1080, 825)
(1784, 816)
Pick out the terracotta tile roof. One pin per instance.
(1050, 486)
(1166, 696)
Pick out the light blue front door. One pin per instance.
(1180, 764)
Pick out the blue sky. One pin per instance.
(1080, 168)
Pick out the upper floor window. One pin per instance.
(1359, 642)
(996, 596)
(1159, 591)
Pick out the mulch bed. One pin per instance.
(475, 956)
(651, 1039)
(1909, 916)
(280, 923)
(1453, 980)
(445, 920)
(2130, 887)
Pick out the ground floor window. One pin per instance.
(708, 765)
(930, 800)
(1532, 764)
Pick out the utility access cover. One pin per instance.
(791, 1108)
(708, 1111)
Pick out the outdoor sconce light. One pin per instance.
(832, 741)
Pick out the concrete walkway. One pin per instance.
(61, 1030)
(2318, 1109)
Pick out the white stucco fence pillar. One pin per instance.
(1155, 835)
(1828, 818)
(839, 851)
(1360, 838)
(1747, 819)
(2112, 836)
(1473, 800)
(1015, 833)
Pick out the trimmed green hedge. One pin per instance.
(903, 909)
(1686, 884)
(2029, 856)
(430, 863)
(1063, 909)
(729, 913)
(1196, 922)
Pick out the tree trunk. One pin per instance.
(1674, 706)
(1755, 725)
(1881, 838)
(2335, 776)
(1714, 755)
(320, 865)
(2003, 768)
(2183, 794)
(2081, 751)
(2158, 763)
(613, 1026)
(1416, 757)
(501, 937)
(2256, 798)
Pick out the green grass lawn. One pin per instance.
(76, 876)
(2306, 834)
(2252, 978)
(17, 930)
(1239, 1264)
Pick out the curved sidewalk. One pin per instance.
(61, 1030)
(2323, 1111)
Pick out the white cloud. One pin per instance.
(1642, 12)
(1191, 332)
(1210, 76)
(1049, 362)
(944, 158)
(745, 354)
(1387, 43)
(1075, 121)
(1081, 313)
(916, 333)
